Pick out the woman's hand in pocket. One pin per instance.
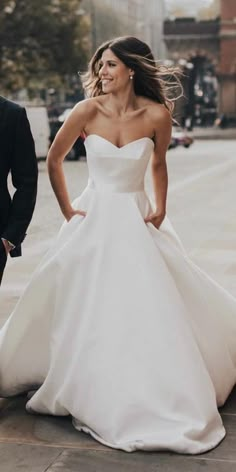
(156, 218)
(73, 212)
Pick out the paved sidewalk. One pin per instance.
(213, 133)
(34, 443)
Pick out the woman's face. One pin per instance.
(113, 72)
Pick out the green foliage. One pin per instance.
(42, 43)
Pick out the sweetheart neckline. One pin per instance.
(114, 145)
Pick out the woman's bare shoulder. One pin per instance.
(156, 111)
(88, 106)
(159, 114)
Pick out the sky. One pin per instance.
(189, 5)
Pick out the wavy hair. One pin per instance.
(151, 79)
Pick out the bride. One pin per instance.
(117, 327)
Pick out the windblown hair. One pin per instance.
(151, 79)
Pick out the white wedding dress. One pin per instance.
(117, 327)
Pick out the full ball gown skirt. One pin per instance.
(117, 327)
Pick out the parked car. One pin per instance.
(180, 137)
(173, 142)
(78, 150)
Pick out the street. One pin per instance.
(201, 207)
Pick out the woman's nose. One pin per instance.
(103, 69)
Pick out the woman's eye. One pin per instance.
(110, 64)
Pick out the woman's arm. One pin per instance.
(159, 167)
(61, 145)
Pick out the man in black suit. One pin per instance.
(17, 157)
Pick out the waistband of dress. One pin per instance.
(115, 187)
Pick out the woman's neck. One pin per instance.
(122, 102)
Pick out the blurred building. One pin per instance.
(141, 19)
(227, 58)
(206, 49)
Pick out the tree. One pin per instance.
(42, 42)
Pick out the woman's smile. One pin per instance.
(106, 81)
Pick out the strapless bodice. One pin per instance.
(117, 169)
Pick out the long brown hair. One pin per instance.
(151, 79)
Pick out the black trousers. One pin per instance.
(3, 259)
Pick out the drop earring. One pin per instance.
(131, 77)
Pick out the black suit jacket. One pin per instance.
(17, 157)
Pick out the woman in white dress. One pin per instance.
(117, 327)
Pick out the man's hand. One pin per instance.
(8, 247)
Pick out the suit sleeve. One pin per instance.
(24, 172)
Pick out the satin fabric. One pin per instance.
(117, 327)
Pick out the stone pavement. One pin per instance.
(213, 132)
(34, 443)
(201, 206)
